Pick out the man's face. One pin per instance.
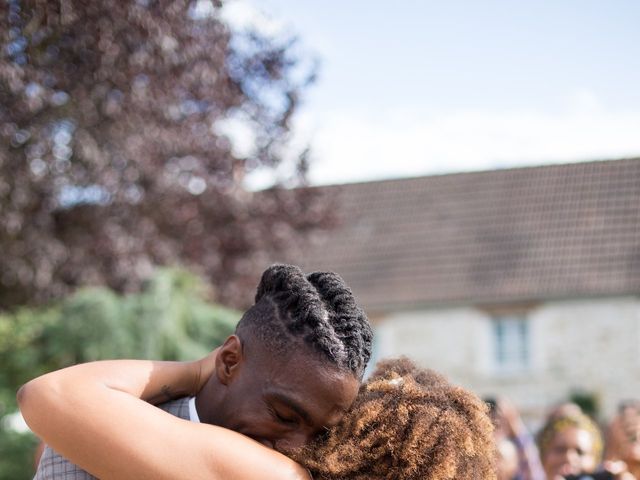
(283, 403)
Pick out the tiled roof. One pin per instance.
(525, 234)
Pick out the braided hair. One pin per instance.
(316, 310)
(406, 423)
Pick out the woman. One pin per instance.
(570, 445)
(623, 437)
(406, 423)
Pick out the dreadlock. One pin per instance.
(317, 310)
(407, 423)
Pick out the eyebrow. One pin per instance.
(294, 405)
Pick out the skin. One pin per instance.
(570, 452)
(105, 420)
(509, 425)
(623, 439)
(507, 464)
(281, 402)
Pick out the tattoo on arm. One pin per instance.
(164, 395)
(166, 391)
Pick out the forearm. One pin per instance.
(152, 381)
(57, 397)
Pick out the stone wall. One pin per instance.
(590, 346)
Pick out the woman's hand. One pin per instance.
(619, 470)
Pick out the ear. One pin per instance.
(229, 359)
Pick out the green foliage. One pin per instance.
(168, 320)
(587, 401)
(16, 455)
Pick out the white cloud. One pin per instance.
(241, 15)
(238, 129)
(585, 100)
(352, 147)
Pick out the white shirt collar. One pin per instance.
(193, 413)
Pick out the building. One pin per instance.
(522, 282)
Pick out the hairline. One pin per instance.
(249, 339)
(252, 328)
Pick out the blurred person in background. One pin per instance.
(518, 457)
(571, 447)
(507, 459)
(623, 437)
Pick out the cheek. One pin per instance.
(256, 420)
(552, 461)
(251, 416)
(241, 415)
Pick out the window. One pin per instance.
(511, 343)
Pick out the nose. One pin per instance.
(572, 457)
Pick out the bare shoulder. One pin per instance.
(233, 456)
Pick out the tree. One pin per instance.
(112, 158)
(167, 320)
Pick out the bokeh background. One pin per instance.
(469, 168)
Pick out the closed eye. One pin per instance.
(283, 418)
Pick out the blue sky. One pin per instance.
(422, 87)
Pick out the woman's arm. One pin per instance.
(92, 414)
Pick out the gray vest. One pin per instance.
(52, 466)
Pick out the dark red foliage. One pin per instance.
(110, 159)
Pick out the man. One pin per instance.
(290, 371)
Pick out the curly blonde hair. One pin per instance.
(407, 423)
